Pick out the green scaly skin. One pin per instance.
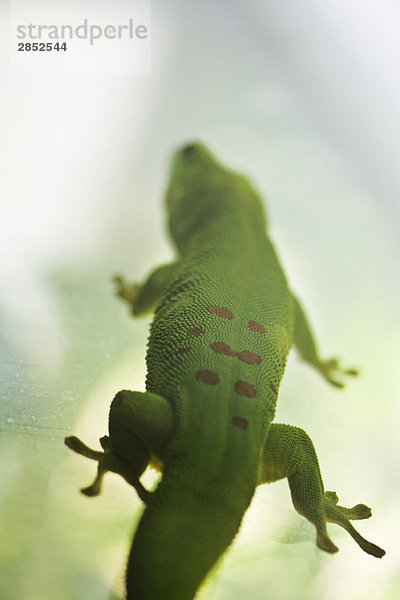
(224, 322)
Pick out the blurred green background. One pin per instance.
(305, 101)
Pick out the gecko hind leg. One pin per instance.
(140, 424)
(289, 452)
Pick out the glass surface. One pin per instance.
(304, 101)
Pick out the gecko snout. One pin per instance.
(189, 150)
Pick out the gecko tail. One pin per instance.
(180, 537)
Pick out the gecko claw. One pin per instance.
(75, 444)
(352, 372)
(333, 497)
(325, 543)
(105, 443)
(95, 488)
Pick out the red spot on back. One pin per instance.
(257, 327)
(196, 331)
(220, 311)
(240, 422)
(249, 357)
(222, 348)
(245, 389)
(183, 350)
(207, 377)
(272, 388)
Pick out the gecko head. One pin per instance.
(202, 190)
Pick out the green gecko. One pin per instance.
(225, 320)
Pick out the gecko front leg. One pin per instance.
(144, 297)
(305, 345)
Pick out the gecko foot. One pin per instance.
(107, 461)
(341, 515)
(331, 369)
(127, 291)
(358, 512)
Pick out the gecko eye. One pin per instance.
(189, 150)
